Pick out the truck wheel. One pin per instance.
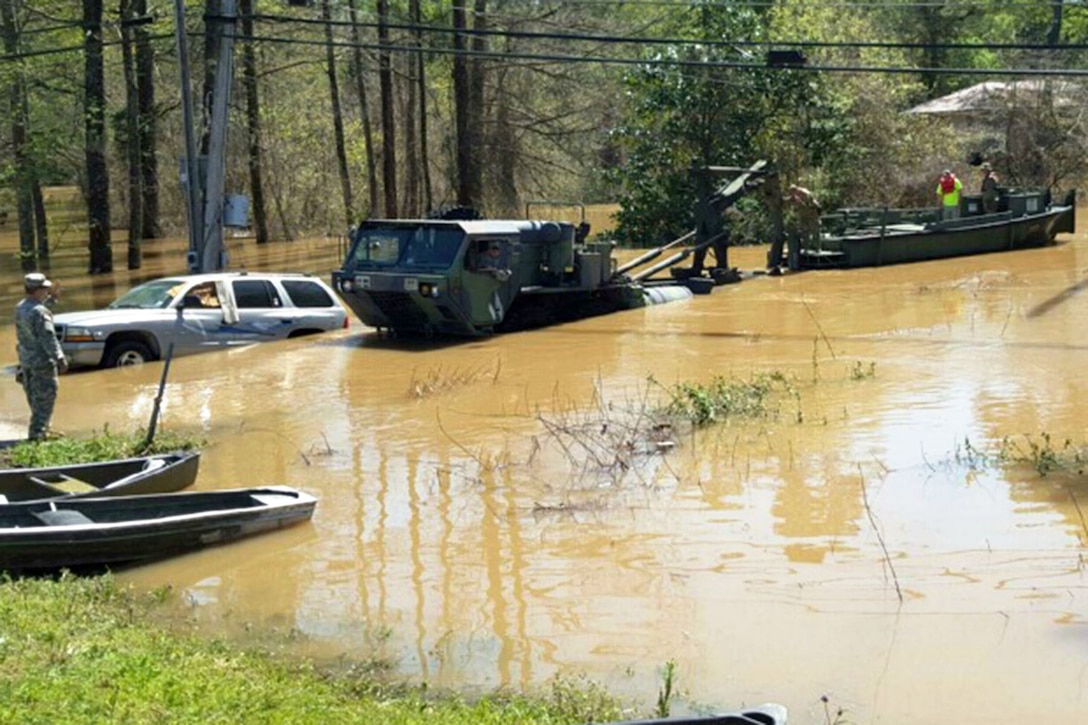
(127, 352)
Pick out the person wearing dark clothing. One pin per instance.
(989, 189)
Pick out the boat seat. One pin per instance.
(153, 464)
(66, 484)
(62, 517)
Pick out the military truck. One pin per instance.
(472, 277)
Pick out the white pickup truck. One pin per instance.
(198, 313)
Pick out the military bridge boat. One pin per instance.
(869, 237)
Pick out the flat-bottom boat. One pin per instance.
(163, 473)
(769, 714)
(874, 237)
(97, 533)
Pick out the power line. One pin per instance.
(603, 60)
(642, 40)
(68, 49)
(767, 4)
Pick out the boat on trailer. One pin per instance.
(870, 237)
(163, 473)
(81, 534)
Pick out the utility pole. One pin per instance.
(212, 239)
(204, 191)
(190, 176)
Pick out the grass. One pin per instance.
(99, 447)
(84, 650)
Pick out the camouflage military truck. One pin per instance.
(471, 278)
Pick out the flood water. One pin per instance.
(849, 544)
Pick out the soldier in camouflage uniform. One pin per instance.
(40, 356)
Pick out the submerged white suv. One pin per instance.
(198, 313)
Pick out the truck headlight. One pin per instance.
(80, 334)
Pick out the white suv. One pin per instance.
(198, 313)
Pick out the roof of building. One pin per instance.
(995, 95)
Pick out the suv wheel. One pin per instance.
(125, 353)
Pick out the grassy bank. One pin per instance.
(87, 650)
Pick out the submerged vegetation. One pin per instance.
(102, 446)
(721, 399)
(1042, 453)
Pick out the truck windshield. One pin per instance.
(424, 246)
(152, 295)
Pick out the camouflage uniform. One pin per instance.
(39, 356)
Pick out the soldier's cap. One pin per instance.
(35, 281)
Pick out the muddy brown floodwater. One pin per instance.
(848, 545)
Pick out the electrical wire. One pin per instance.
(68, 49)
(659, 62)
(642, 40)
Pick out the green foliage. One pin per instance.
(730, 111)
(721, 399)
(102, 447)
(86, 650)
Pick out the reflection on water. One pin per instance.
(766, 557)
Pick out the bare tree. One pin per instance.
(389, 134)
(421, 80)
(17, 116)
(253, 123)
(337, 120)
(94, 114)
(359, 71)
(132, 135)
(411, 143)
(466, 115)
(148, 125)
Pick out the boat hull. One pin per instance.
(96, 533)
(973, 235)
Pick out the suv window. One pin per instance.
(307, 294)
(255, 293)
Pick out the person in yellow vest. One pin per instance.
(948, 190)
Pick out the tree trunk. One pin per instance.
(364, 107)
(17, 116)
(477, 130)
(1054, 34)
(337, 120)
(212, 9)
(421, 80)
(462, 102)
(132, 136)
(389, 134)
(148, 125)
(94, 113)
(253, 123)
(505, 150)
(41, 224)
(411, 144)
